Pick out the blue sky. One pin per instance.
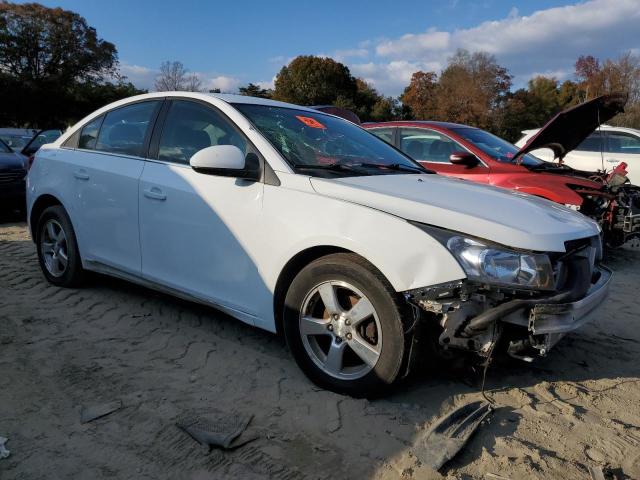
(232, 43)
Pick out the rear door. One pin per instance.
(106, 167)
(589, 154)
(432, 149)
(624, 147)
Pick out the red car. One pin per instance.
(474, 154)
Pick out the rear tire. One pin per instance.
(57, 247)
(344, 325)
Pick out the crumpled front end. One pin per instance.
(474, 317)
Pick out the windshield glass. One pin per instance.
(4, 148)
(499, 149)
(314, 142)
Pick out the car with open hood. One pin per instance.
(473, 154)
(604, 149)
(298, 221)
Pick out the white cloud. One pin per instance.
(224, 83)
(546, 41)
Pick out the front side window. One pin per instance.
(427, 145)
(123, 130)
(495, 147)
(191, 127)
(314, 142)
(593, 143)
(89, 134)
(620, 142)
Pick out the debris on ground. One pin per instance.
(217, 429)
(494, 476)
(4, 453)
(596, 473)
(447, 437)
(93, 412)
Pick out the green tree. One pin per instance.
(310, 80)
(54, 69)
(253, 90)
(39, 43)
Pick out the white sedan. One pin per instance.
(604, 148)
(297, 221)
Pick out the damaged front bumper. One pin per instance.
(474, 318)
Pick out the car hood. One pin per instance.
(11, 161)
(569, 128)
(503, 216)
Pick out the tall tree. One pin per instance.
(310, 80)
(420, 95)
(172, 77)
(40, 43)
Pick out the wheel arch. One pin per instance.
(291, 269)
(43, 202)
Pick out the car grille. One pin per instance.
(8, 176)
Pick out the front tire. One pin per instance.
(58, 252)
(344, 325)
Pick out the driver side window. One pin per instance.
(427, 145)
(191, 127)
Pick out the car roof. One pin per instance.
(608, 128)
(417, 123)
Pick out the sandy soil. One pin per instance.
(61, 349)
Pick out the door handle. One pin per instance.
(81, 174)
(612, 160)
(155, 194)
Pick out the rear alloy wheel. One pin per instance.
(343, 325)
(57, 248)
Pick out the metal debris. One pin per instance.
(90, 413)
(4, 453)
(217, 429)
(447, 437)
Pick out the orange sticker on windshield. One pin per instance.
(310, 122)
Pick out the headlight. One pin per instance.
(496, 264)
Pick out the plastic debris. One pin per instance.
(447, 437)
(217, 429)
(88, 414)
(4, 453)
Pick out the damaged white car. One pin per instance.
(294, 220)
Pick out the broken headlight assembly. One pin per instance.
(489, 263)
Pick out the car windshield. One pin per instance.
(14, 142)
(4, 148)
(321, 144)
(497, 148)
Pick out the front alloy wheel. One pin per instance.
(340, 330)
(344, 325)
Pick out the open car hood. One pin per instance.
(569, 128)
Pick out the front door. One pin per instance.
(432, 149)
(193, 226)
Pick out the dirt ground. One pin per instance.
(61, 349)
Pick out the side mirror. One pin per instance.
(226, 161)
(464, 158)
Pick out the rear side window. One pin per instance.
(124, 129)
(593, 143)
(89, 134)
(191, 127)
(620, 142)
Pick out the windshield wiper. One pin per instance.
(335, 166)
(398, 167)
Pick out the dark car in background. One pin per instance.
(14, 166)
(13, 170)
